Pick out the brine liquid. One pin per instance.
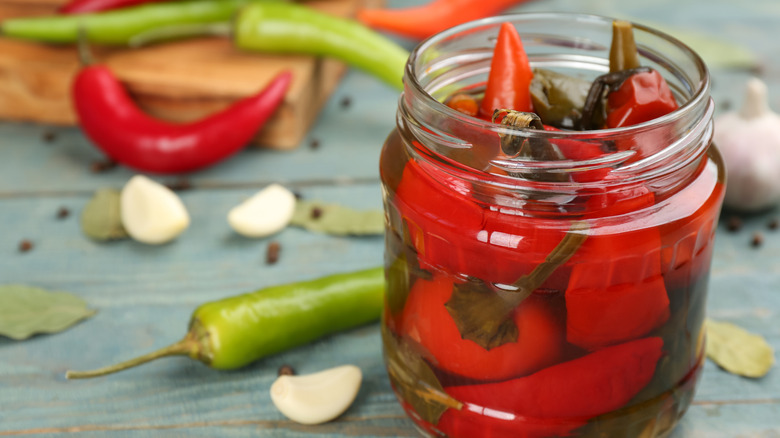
(632, 296)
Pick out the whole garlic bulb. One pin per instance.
(749, 141)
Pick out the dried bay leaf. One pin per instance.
(738, 351)
(337, 220)
(101, 219)
(27, 310)
(414, 379)
(483, 313)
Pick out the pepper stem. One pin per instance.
(562, 252)
(85, 54)
(185, 347)
(623, 54)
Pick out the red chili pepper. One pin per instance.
(426, 320)
(616, 289)
(555, 400)
(84, 6)
(688, 232)
(464, 103)
(420, 22)
(451, 231)
(577, 150)
(119, 128)
(509, 80)
(642, 97)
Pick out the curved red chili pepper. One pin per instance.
(420, 22)
(84, 6)
(557, 399)
(119, 128)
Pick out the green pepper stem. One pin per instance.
(179, 31)
(623, 54)
(562, 252)
(185, 347)
(85, 54)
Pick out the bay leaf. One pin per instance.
(414, 379)
(27, 310)
(738, 351)
(337, 220)
(100, 219)
(483, 313)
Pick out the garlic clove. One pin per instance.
(265, 213)
(319, 397)
(150, 212)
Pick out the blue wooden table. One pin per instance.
(144, 295)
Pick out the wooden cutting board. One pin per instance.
(178, 81)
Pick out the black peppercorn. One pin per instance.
(758, 239)
(286, 370)
(103, 166)
(25, 245)
(272, 253)
(734, 224)
(63, 212)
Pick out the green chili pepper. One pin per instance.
(118, 27)
(289, 28)
(236, 331)
(557, 98)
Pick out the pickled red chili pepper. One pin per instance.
(420, 22)
(509, 81)
(451, 231)
(557, 399)
(426, 320)
(634, 94)
(119, 128)
(616, 291)
(642, 97)
(82, 6)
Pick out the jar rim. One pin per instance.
(697, 98)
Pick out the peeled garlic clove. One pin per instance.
(265, 213)
(319, 397)
(152, 213)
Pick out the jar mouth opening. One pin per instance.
(441, 62)
(698, 95)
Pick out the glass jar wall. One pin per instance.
(539, 298)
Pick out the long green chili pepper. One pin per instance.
(289, 28)
(118, 27)
(236, 331)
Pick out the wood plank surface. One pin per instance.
(144, 295)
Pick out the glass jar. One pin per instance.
(532, 298)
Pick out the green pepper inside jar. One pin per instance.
(552, 195)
